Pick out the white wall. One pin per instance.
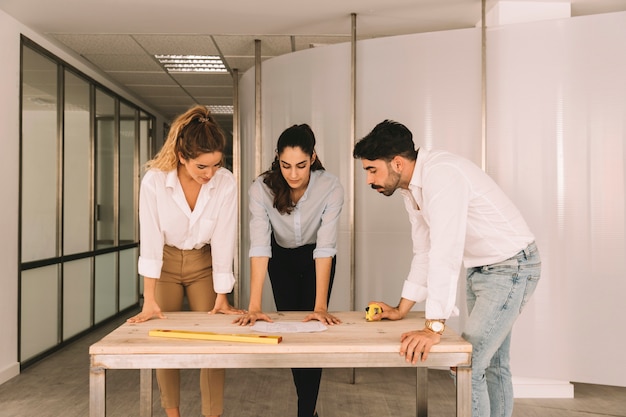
(557, 144)
(556, 134)
(9, 170)
(10, 31)
(300, 88)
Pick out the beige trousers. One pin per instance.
(188, 272)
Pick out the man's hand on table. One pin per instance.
(418, 343)
(388, 312)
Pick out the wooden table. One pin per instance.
(355, 343)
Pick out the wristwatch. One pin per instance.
(437, 326)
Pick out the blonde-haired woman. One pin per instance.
(187, 214)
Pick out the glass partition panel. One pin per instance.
(39, 311)
(76, 166)
(128, 278)
(105, 170)
(76, 297)
(145, 144)
(105, 287)
(127, 178)
(40, 156)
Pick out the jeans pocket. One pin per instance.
(531, 284)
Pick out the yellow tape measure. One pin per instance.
(188, 334)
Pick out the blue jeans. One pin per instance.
(496, 295)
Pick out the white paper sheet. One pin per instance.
(291, 327)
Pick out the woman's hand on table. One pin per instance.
(222, 306)
(148, 311)
(250, 317)
(323, 317)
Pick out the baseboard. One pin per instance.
(542, 388)
(9, 372)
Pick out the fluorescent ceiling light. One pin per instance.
(192, 63)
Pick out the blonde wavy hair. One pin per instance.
(192, 133)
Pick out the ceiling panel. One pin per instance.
(152, 91)
(173, 44)
(203, 79)
(121, 37)
(211, 92)
(125, 63)
(245, 45)
(114, 44)
(155, 78)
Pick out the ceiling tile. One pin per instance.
(203, 79)
(127, 63)
(177, 44)
(245, 45)
(114, 44)
(156, 78)
(150, 91)
(211, 91)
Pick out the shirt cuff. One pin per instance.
(261, 251)
(150, 268)
(324, 253)
(223, 283)
(414, 292)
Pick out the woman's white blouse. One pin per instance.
(166, 219)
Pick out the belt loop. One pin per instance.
(526, 251)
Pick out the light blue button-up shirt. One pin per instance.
(314, 219)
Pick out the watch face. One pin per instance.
(436, 326)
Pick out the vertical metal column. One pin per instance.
(483, 53)
(257, 107)
(237, 173)
(352, 165)
(351, 171)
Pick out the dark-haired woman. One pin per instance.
(294, 213)
(188, 219)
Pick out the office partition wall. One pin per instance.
(81, 146)
(556, 105)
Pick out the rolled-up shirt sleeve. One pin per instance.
(438, 233)
(223, 241)
(326, 243)
(260, 226)
(151, 247)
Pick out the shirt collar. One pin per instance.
(312, 178)
(416, 178)
(171, 179)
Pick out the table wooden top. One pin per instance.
(353, 335)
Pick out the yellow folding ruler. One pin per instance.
(188, 334)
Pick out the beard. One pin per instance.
(390, 185)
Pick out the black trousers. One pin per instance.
(292, 275)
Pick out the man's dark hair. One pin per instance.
(387, 140)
